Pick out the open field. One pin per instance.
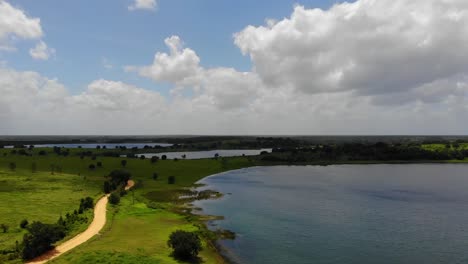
(38, 197)
(136, 233)
(43, 187)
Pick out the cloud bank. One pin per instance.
(368, 67)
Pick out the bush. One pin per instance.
(119, 177)
(92, 167)
(171, 180)
(4, 228)
(164, 157)
(99, 164)
(86, 203)
(107, 187)
(24, 223)
(186, 245)
(154, 159)
(114, 198)
(155, 176)
(123, 163)
(40, 239)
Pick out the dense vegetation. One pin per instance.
(379, 151)
(44, 189)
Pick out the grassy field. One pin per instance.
(38, 197)
(135, 233)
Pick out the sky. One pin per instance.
(158, 67)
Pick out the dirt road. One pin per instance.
(98, 223)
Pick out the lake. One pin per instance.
(344, 214)
(107, 145)
(208, 154)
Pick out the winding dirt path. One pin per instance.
(99, 221)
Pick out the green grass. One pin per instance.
(136, 233)
(37, 197)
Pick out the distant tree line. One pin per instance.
(362, 152)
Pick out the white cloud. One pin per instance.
(225, 88)
(41, 51)
(369, 47)
(33, 104)
(143, 4)
(15, 24)
(368, 67)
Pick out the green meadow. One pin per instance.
(137, 229)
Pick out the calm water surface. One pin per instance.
(344, 214)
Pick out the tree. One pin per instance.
(107, 187)
(119, 177)
(12, 166)
(123, 163)
(171, 180)
(186, 245)
(86, 203)
(24, 224)
(114, 198)
(40, 239)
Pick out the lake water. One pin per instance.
(208, 154)
(94, 145)
(344, 214)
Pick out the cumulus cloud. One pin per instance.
(14, 24)
(224, 87)
(33, 104)
(41, 51)
(143, 4)
(369, 47)
(367, 67)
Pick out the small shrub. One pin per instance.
(4, 228)
(154, 159)
(164, 157)
(24, 223)
(114, 198)
(92, 166)
(171, 180)
(155, 176)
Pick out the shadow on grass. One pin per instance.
(191, 260)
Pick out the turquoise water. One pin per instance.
(344, 214)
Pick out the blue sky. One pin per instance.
(310, 67)
(86, 32)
